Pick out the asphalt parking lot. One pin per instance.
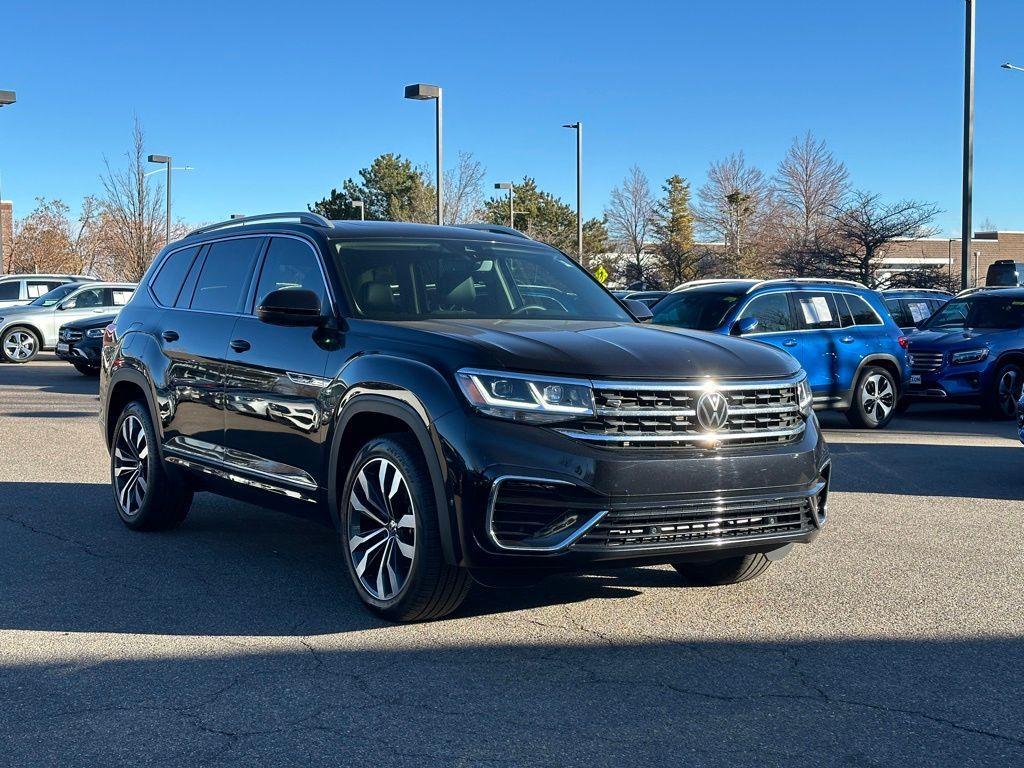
(896, 639)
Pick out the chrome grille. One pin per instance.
(659, 413)
(925, 362)
(70, 334)
(700, 521)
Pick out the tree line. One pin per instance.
(803, 220)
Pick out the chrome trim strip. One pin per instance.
(566, 543)
(691, 412)
(682, 437)
(239, 461)
(819, 519)
(311, 381)
(723, 385)
(225, 475)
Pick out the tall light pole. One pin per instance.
(362, 209)
(165, 159)
(1008, 65)
(511, 200)
(968, 174)
(423, 92)
(578, 126)
(6, 99)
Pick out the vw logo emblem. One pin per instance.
(712, 411)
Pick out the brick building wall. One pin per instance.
(986, 247)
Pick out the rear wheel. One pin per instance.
(19, 345)
(390, 534)
(731, 570)
(874, 399)
(1004, 392)
(147, 495)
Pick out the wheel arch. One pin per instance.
(126, 385)
(880, 360)
(27, 326)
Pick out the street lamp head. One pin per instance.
(571, 125)
(503, 185)
(357, 203)
(159, 158)
(7, 98)
(422, 91)
(237, 216)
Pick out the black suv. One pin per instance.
(462, 403)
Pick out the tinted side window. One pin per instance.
(817, 311)
(772, 313)
(222, 283)
(87, 299)
(10, 290)
(168, 280)
(862, 312)
(898, 312)
(117, 297)
(290, 264)
(36, 288)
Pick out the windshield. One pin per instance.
(437, 278)
(50, 298)
(979, 312)
(700, 310)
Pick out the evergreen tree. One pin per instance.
(392, 189)
(678, 260)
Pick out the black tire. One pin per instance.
(869, 411)
(10, 338)
(731, 570)
(429, 587)
(162, 498)
(1001, 399)
(903, 405)
(86, 370)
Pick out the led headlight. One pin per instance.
(524, 397)
(969, 356)
(94, 333)
(804, 396)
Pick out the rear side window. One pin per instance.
(817, 311)
(171, 275)
(918, 310)
(37, 288)
(225, 277)
(898, 312)
(772, 313)
(118, 297)
(290, 264)
(862, 312)
(10, 290)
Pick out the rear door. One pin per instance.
(864, 334)
(274, 425)
(195, 330)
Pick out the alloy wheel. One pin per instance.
(381, 529)
(1009, 391)
(878, 397)
(19, 345)
(130, 466)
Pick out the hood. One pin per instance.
(22, 310)
(96, 321)
(594, 349)
(953, 338)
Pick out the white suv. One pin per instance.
(24, 331)
(17, 290)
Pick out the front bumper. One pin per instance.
(592, 504)
(81, 353)
(953, 383)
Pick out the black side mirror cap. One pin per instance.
(743, 326)
(291, 306)
(639, 310)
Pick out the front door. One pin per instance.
(823, 347)
(776, 324)
(275, 377)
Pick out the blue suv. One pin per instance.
(972, 351)
(840, 331)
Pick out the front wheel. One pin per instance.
(874, 399)
(1005, 391)
(390, 535)
(19, 345)
(730, 570)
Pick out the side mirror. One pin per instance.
(639, 310)
(290, 306)
(743, 326)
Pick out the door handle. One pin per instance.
(240, 345)
(170, 335)
(847, 339)
(789, 343)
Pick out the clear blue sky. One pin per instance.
(275, 103)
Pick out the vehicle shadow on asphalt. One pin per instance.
(570, 699)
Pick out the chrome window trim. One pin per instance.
(844, 294)
(259, 263)
(566, 543)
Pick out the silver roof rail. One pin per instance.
(802, 280)
(915, 290)
(302, 217)
(706, 281)
(496, 229)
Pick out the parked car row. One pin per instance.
(18, 290)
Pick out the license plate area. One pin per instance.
(63, 347)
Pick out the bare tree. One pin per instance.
(631, 218)
(731, 205)
(133, 208)
(463, 191)
(811, 183)
(48, 240)
(865, 227)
